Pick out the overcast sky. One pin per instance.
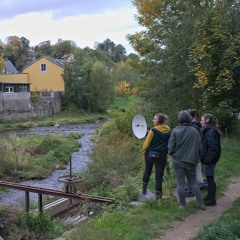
(82, 21)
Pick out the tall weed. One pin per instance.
(114, 158)
(31, 157)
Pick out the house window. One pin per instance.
(43, 67)
(22, 88)
(9, 89)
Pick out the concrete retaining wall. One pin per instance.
(18, 106)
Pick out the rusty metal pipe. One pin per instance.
(84, 197)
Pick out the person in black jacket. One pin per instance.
(210, 154)
(155, 150)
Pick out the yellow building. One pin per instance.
(45, 75)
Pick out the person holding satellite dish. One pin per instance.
(155, 150)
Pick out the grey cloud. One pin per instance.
(60, 8)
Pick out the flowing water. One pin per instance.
(79, 160)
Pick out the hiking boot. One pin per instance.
(210, 203)
(144, 188)
(206, 198)
(158, 195)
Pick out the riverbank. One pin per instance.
(79, 160)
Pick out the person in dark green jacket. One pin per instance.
(155, 150)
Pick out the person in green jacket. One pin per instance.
(155, 150)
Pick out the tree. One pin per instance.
(16, 50)
(101, 88)
(123, 89)
(116, 52)
(2, 62)
(169, 28)
(125, 72)
(215, 60)
(107, 46)
(119, 53)
(63, 47)
(44, 49)
(88, 83)
(175, 32)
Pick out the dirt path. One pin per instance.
(191, 226)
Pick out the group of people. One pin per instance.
(188, 143)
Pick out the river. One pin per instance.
(79, 160)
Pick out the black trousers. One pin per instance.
(160, 164)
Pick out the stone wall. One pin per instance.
(18, 106)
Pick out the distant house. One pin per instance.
(31, 54)
(45, 75)
(67, 57)
(9, 68)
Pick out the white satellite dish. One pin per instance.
(139, 126)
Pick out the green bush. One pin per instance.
(59, 149)
(40, 226)
(124, 123)
(114, 158)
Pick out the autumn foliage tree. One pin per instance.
(2, 62)
(215, 60)
(123, 89)
(16, 50)
(190, 55)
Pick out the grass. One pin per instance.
(225, 228)
(148, 220)
(34, 157)
(116, 171)
(28, 225)
(140, 223)
(61, 118)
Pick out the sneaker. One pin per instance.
(182, 207)
(202, 207)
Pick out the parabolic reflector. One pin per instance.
(139, 126)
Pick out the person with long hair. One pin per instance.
(155, 150)
(210, 155)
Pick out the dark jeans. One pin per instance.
(160, 164)
(182, 170)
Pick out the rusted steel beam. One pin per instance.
(27, 202)
(46, 191)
